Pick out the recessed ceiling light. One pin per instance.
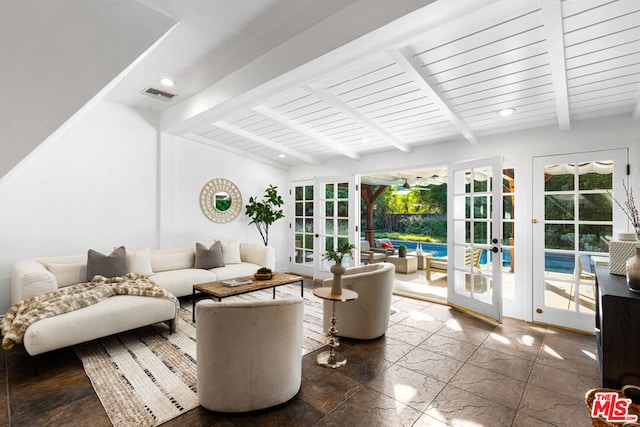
(167, 82)
(282, 156)
(506, 112)
(364, 140)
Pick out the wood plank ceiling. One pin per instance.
(553, 62)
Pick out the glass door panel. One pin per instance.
(337, 209)
(303, 226)
(475, 226)
(573, 220)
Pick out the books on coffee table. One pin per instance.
(236, 282)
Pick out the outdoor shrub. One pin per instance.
(434, 226)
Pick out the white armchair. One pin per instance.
(249, 353)
(368, 316)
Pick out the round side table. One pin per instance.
(332, 358)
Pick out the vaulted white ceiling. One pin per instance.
(356, 77)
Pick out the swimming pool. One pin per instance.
(439, 250)
(559, 263)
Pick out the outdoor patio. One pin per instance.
(559, 290)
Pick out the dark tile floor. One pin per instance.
(435, 366)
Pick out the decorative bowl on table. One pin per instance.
(263, 274)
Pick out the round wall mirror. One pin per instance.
(220, 200)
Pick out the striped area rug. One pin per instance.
(146, 377)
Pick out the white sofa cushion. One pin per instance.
(261, 255)
(231, 252)
(112, 315)
(172, 259)
(235, 270)
(180, 282)
(69, 273)
(37, 283)
(140, 262)
(440, 265)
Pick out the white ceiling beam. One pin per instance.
(554, 34)
(427, 84)
(309, 133)
(264, 141)
(328, 98)
(317, 50)
(242, 153)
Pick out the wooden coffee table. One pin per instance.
(218, 290)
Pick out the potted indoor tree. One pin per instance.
(265, 212)
(337, 268)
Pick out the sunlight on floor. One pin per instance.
(454, 325)
(416, 285)
(500, 338)
(551, 352)
(404, 393)
(527, 340)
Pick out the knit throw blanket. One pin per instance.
(25, 313)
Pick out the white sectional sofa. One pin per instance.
(172, 269)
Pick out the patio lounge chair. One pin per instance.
(369, 255)
(379, 245)
(439, 265)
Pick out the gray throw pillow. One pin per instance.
(209, 258)
(112, 265)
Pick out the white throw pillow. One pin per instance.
(68, 274)
(231, 252)
(140, 262)
(37, 283)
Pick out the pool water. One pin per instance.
(559, 263)
(439, 250)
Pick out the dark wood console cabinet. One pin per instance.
(617, 330)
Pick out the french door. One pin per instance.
(573, 220)
(474, 237)
(337, 213)
(303, 241)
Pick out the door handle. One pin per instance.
(535, 221)
(495, 249)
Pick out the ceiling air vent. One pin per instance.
(158, 94)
